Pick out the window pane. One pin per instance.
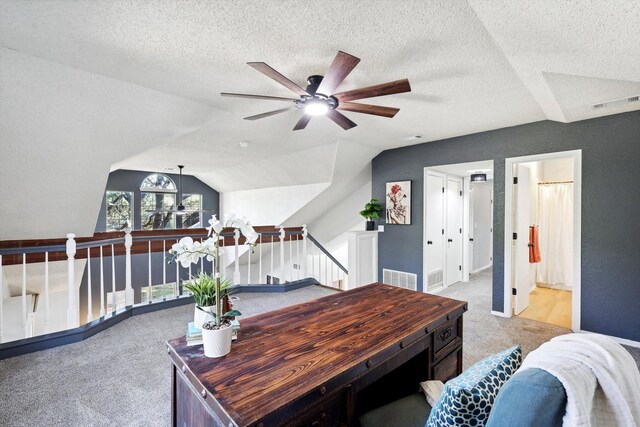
(119, 210)
(158, 181)
(191, 219)
(157, 211)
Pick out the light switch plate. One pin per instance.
(381, 228)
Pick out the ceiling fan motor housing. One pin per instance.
(313, 84)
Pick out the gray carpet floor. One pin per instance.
(121, 376)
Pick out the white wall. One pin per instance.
(557, 169)
(269, 206)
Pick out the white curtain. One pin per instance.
(555, 204)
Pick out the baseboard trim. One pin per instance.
(624, 341)
(499, 313)
(478, 270)
(81, 333)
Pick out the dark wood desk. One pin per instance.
(323, 362)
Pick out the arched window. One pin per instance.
(158, 182)
(158, 202)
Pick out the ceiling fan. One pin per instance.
(319, 97)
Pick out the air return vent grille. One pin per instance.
(400, 279)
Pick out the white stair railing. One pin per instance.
(283, 255)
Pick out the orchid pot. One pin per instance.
(216, 341)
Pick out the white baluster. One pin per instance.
(24, 296)
(114, 301)
(128, 290)
(89, 300)
(332, 276)
(236, 271)
(290, 269)
(46, 293)
(282, 254)
(150, 291)
(313, 261)
(103, 307)
(249, 266)
(72, 308)
(272, 250)
(304, 251)
(177, 276)
(298, 256)
(326, 270)
(164, 264)
(1, 301)
(260, 260)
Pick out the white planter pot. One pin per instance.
(217, 342)
(200, 317)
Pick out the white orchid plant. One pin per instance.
(187, 252)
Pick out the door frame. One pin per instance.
(460, 181)
(576, 155)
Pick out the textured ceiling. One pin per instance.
(473, 66)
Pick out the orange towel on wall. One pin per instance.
(534, 245)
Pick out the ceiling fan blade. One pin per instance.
(342, 120)
(303, 122)
(339, 69)
(268, 113)
(398, 86)
(270, 72)
(376, 110)
(269, 98)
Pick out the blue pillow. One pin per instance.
(532, 397)
(467, 399)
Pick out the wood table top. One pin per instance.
(284, 354)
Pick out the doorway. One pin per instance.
(458, 229)
(542, 238)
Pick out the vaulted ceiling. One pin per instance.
(91, 86)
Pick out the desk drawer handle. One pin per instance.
(322, 390)
(369, 363)
(446, 334)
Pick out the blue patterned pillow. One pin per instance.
(467, 399)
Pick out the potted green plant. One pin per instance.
(217, 333)
(371, 212)
(203, 289)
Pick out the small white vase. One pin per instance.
(217, 342)
(200, 317)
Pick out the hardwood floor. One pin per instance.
(549, 306)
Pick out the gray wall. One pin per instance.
(610, 206)
(127, 180)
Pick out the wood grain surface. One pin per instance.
(284, 354)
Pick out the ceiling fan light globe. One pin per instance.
(316, 108)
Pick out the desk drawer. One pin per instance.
(329, 412)
(449, 367)
(445, 334)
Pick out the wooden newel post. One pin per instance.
(72, 292)
(128, 290)
(236, 271)
(304, 250)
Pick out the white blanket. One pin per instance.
(600, 377)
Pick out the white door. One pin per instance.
(434, 230)
(521, 222)
(453, 231)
